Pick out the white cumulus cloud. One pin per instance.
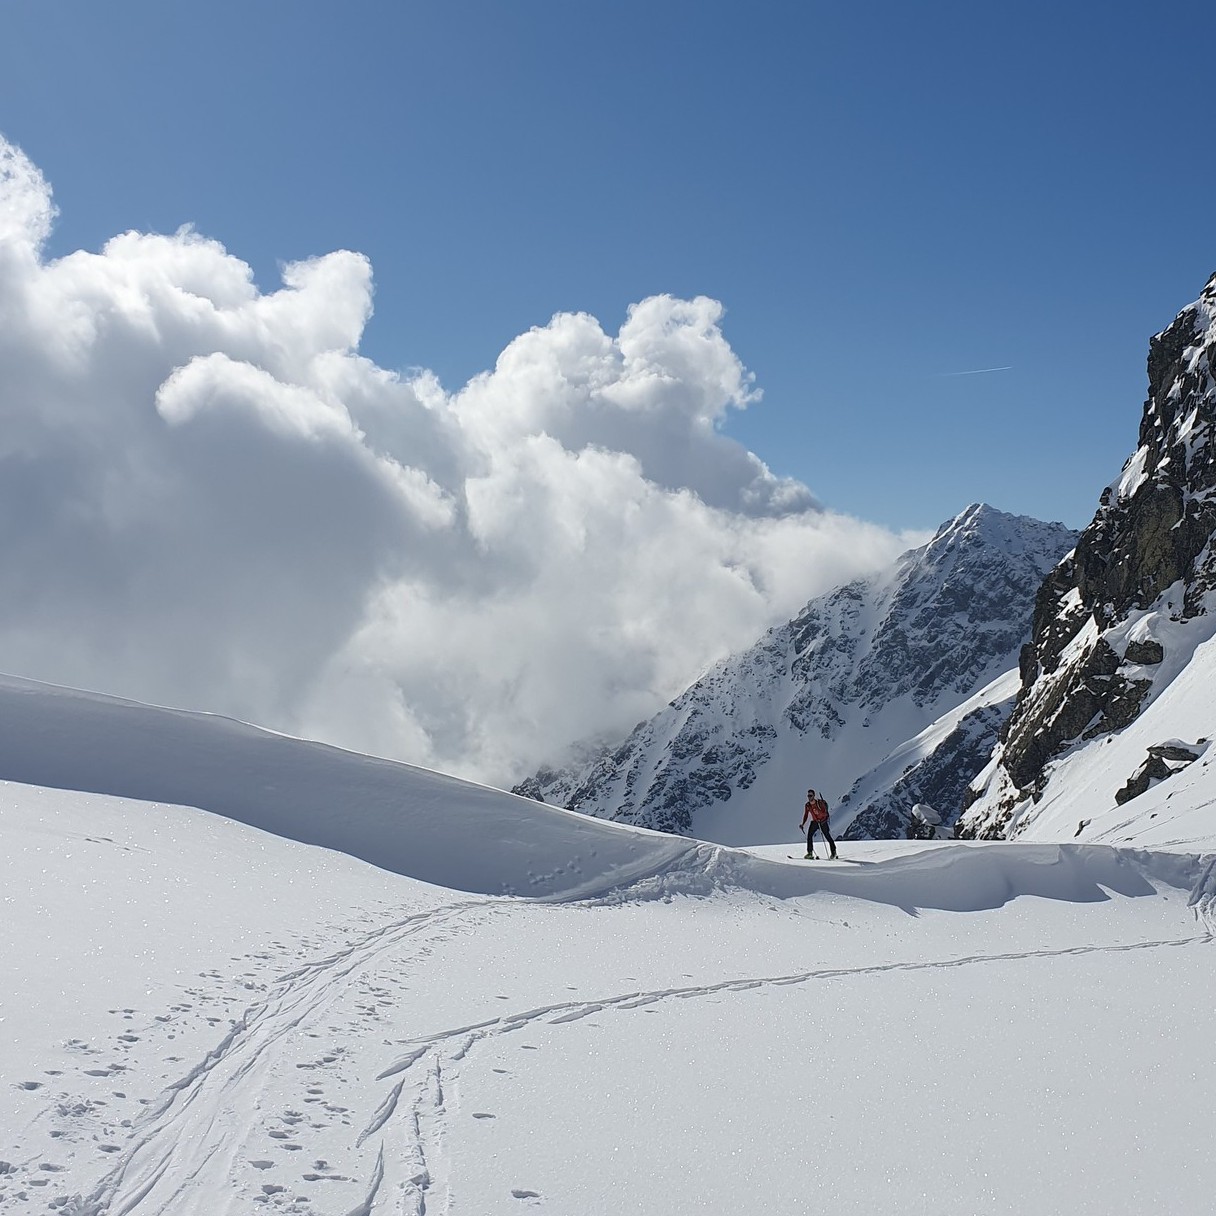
(209, 498)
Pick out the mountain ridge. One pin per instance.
(823, 698)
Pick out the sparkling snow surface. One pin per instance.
(201, 1017)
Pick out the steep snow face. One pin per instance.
(822, 699)
(1125, 615)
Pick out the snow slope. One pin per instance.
(206, 1018)
(390, 814)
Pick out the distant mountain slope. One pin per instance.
(933, 769)
(1117, 679)
(822, 699)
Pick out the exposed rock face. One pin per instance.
(1144, 564)
(1147, 654)
(1164, 760)
(821, 700)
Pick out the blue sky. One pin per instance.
(879, 195)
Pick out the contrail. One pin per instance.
(979, 371)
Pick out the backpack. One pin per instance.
(819, 810)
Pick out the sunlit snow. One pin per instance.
(521, 1009)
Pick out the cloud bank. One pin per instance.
(209, 498)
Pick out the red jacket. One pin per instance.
(817, 809)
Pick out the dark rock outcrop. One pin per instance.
(1164, 760)
(1147, 653)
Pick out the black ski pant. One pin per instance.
(827, 835)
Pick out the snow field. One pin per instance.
(209, 1014)
(1011, 1086)
(221, 1021)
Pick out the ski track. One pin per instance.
(185, 1151)
(574, 1011)
(465, 1038)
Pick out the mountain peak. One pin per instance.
(980, 523)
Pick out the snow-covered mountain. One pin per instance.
(826, 697)
(1116, 682)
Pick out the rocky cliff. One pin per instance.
(1120, 618)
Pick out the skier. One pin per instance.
(816, 811)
